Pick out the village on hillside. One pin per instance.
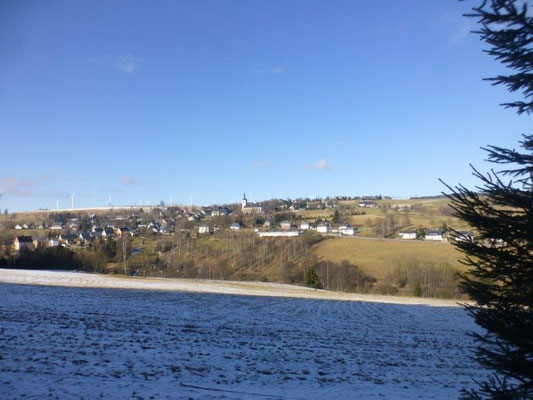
(274, 218)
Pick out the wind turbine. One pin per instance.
(171, 200)
(191, 198)
(72, 199)
(1, 193)
(57, 204)
(109, 198)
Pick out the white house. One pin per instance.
(367, 204)
(235, 226)
(408, 235)
(322, 228)
(53, 242)
(348, 231)
(18, 227)
(286, 225)
(204, 229)
(436, 235)
(464, 236)
(56, 227)
(305, 225)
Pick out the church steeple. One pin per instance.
(244, 200)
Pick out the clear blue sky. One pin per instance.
(213, 98)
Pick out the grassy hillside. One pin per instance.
(376, 257)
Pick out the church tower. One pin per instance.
(244, 201)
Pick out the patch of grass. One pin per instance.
(377, 257)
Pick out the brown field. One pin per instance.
(377, 257)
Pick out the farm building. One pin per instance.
(322, 228)
(464, 236)
(235, 226)
(408, 235)
(436, 235)
(348, 231)
(204, 229)
(305, 225)
(286, 225)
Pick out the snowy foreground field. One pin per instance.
(76, 342)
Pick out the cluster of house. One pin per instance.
(70, 238)
(367, 204)
(288, 228)
(435, 235)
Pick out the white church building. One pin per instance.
(249, 208)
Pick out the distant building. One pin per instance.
(123, 230)
(40, 242)
(68, 238)
(408, 234)
(278, 233)
(220, 211)
(269, 223)
(204, 229)
(85, 237)
(436, 235)
(235, 226)
(286, 225)
(108, 232)
(348, 231)
(250, 208)
(23, 243)
(464, 236)
(367, 204)
(305, 225)
(322, 228)
(18, 227)
(53, 242)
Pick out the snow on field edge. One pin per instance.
(82, 279)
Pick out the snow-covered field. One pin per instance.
(74, 342)
(80, 279)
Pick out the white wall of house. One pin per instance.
(408, 235)
(434, 237)
(204, 229)
(348, 231)
(322, 229)
(304, 226)
(278, 233)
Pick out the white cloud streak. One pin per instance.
(127, 63)
(322, 165)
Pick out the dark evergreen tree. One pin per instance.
(500, 210)
(312, 279)
(336, 217)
